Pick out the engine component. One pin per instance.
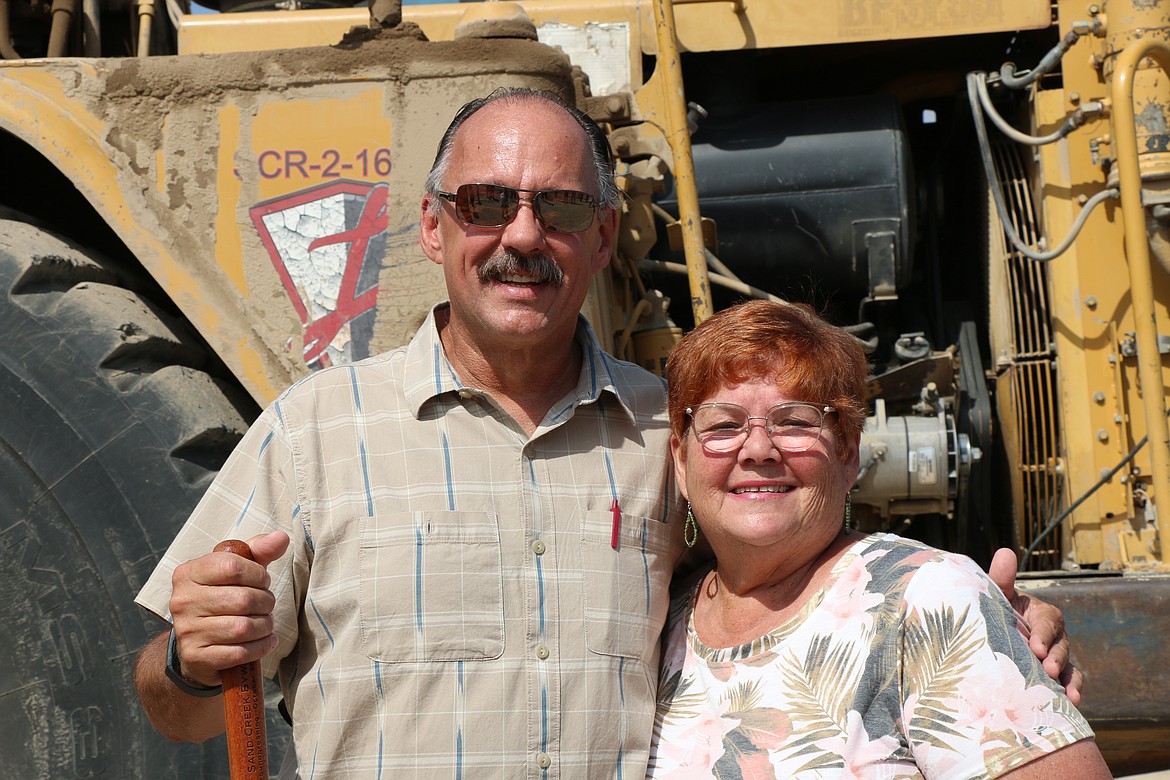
(817, 189)
(912, 465)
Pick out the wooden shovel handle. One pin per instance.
(243, 705)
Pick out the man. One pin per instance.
(483, 522)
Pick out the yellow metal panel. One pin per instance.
(271, 30)
(298, 144)
(160, 183)
(703, 25)
(229, 250)
(30, 84)
(1151, 366)
(1081, 319)
(1092, 311)
(716, 26)
(266, 30)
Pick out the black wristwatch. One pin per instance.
(174, 671)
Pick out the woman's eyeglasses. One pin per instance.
(493, 205)
(793, 427)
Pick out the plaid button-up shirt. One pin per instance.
(452, 604)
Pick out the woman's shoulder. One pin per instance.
(891, 547)
(897, 564)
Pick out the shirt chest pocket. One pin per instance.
(431, 587)
(626, 589)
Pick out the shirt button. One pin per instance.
(465, 393)
(543, 760)
(538, 547)
(542, 652)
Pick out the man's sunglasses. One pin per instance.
(493, 205)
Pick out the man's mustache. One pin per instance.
(540, 268)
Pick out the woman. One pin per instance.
(811, 650)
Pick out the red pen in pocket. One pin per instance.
(615, 535)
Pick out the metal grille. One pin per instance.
(1035, 427)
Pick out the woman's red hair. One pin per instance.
(809, 359)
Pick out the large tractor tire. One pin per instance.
(110, 431)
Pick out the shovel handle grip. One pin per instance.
(243, 704)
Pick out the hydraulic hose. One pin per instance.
(1075, 120)
(59, 30)
(145, 23)
(1007, 72)
(973, 80)
(6, 50)
(91, 28)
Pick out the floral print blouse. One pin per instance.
(907, 664)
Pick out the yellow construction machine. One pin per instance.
(199, 206)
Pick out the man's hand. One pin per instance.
(222, 612)
(222, 609)
(1042, 626)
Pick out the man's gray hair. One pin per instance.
(607, 187)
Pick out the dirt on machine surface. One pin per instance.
(138, 87)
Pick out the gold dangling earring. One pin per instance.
(690, 530)
(848, 513)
